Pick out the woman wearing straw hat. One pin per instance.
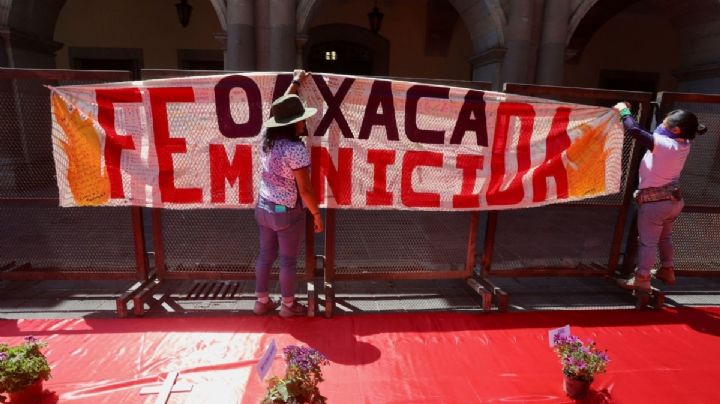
(285, 193)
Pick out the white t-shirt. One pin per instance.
(664, 163)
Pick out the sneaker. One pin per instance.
(296, 309)
(666, 274)
(265, 308)
(638, 282)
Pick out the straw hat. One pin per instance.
(287, 110)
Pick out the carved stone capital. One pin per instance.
(489, 56)
(698, 72)
(21, 40)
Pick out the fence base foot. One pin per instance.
(329, 299)
(143, 294)
(484, 294)
(312, 298)
(502, 298)
(655, 298)
(122, 301)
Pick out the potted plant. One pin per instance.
(22, 370)
(580, 363)
(302, 376)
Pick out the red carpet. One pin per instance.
(669, 356)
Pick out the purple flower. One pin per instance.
(580, 359)
(304, 359)
(30, 339)
(3, 356)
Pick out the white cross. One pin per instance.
(168, 387)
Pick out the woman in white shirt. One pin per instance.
(658, 196)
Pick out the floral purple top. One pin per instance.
(278, 181)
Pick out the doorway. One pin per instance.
(360, 52)
(341, 57)
(131, 59)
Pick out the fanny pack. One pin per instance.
(273, 207)
(655, 194)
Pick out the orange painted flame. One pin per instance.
(587, 156)
(88, 179)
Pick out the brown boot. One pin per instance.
(264, 308)
(666, 274)
(296, 309)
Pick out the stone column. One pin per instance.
(240, 35)
(282, 35)
(300, 41)
(275, 35)
(27, 33)
(6, 57)
(516, 64)
(551, 63)
(27, 50)
(262, 34)
(486, 66)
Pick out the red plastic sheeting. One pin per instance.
(668, 356)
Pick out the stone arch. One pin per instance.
(694, 27)
(577, 16)
(586, 19)
(220, 7)
(590, 15)
(24, 27)
(472, 12)
(27, 27)
(23, 16)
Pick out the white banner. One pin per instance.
(375, 144)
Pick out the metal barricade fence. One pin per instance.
(695, 233)
(222, 244)
(208, 244)
(587, 235)
(390, 244)
(40, 240)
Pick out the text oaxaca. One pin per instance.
(375, 144)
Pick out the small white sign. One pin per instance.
(264, 363)
(560, 332)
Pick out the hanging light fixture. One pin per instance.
(184, 10)
(375, 17)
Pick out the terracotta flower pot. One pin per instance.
(31, 394)
(575, 388)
